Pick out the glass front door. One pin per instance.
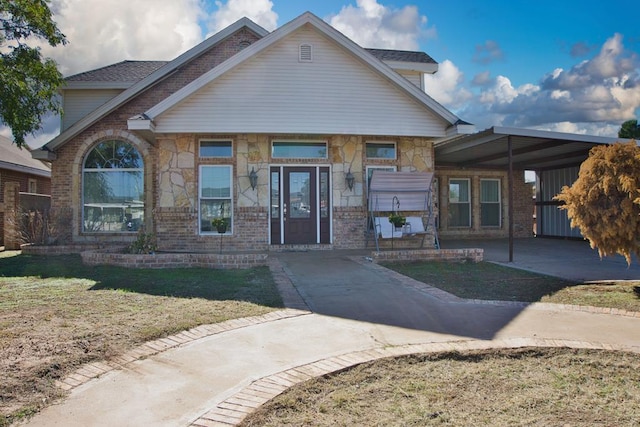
(299, 205)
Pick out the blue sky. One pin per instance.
(555, 65)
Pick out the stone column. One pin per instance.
(11, 209)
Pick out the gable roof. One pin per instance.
(46, 152)
(20, 160)
(145, 121)
(128, 72)
(121, 75)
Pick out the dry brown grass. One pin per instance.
(56, 314)
(534, 387)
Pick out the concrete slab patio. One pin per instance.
(357, 311)
(569, 259)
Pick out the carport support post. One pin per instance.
(510, 184)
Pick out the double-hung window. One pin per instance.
(459, 203)
(216, 183)
(490, 209)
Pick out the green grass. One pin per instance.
(57, 314)
(488, 281)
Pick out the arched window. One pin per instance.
(113, 188)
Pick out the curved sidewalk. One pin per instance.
(214, 375)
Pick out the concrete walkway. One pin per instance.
(214, 375)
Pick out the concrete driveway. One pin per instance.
(569, 259)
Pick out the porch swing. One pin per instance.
(404, 194)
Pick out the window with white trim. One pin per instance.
(113, 188)
(210, 148)
(459, 203)
(490, 209)
(215, 197)
(380, 150)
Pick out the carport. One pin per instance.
(506, 148)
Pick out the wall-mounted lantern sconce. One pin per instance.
(253, 178)
(350, 179)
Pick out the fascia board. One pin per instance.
(535, 133)
(413, 66)
(24, 169)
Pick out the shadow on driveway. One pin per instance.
(332, 283)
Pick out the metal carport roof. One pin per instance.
(531, 149)
(505, 148)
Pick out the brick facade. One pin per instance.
(17, 181)
(522, 198)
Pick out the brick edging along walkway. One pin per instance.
(95, 369)
(236, 408)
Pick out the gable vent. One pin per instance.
(305, 54)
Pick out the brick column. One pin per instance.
(11, 208)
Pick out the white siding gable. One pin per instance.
(414, 77)
(274, 92)
(79, 103)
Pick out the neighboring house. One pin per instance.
(170, 146)
(20, 172)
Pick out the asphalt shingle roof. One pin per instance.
(401, 55)
(12, 157)
(125, 71)
(133, 71)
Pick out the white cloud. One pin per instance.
(446, 86)
(371, 24)
(259, 11)
(594, 96)
(104, 32)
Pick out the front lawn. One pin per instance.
(57, 314)
(511, 387)
(488, 281)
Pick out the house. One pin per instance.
(263, 129)
(20, 174)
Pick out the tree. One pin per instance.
(28, 82)
(629, 129)
(604, 202)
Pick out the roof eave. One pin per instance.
(421, 67)
(25, 169)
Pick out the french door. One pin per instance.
(300, 205)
